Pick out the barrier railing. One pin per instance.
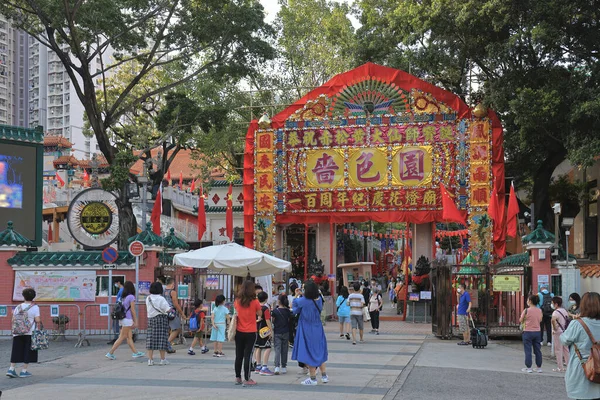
(98, 322)
(60, 321)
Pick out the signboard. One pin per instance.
(212, 283)
(543, 280)
(104, 310)
(183, 292)
(425, 295)
(93, 218)
(144, 288)
(3, 311)
(413, 296)
(136, 248)
(56, 285)
(110, 255)
(54, 310)
(506, 283)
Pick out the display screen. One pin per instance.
(18, 185)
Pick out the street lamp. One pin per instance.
(567, 223)
(143, 179)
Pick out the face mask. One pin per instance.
(553, 306)
(572, 302)
(282, 291)
(459, 290)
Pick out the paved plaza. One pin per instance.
(404, 361)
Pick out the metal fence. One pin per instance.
(60, 321)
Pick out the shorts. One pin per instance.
(262, 343)
(463, 323)
(344, 320)
(357, 322)
(175, 324)
(199, 334)
(126, 322)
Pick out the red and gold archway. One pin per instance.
(373, 143)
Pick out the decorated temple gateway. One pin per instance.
(373, 143)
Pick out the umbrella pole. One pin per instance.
(305, 251)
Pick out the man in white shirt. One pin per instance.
(356, 302)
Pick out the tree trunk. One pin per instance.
(127, 221)
(541, 197)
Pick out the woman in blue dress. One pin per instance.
(310, 344)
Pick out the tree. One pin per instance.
(534, 62)
(188, 38)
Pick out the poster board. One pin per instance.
(56, 285)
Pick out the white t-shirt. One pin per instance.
(160, 305)
(32, 312)
(356, 302)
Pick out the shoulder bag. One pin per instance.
(591, 367)
(39, 338)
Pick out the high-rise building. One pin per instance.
(13, 75)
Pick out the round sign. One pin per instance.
(93, 218)
(110, 255)
(136, 248)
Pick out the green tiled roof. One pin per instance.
(223, 183)
(165, 258)
(21, 134)
(219, 209)
(12, 238)
(539, 235)
(472, 259)
(562, 255)
(521, 259)
(147, 237)
(55, 259)
(171, 241)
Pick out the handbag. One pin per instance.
(232, 329)
(591, 367)
(39, 339)
(171, 314)
(366, 315)
(522, 325)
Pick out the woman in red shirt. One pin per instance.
(248, 310)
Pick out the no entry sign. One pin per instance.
(136, 248)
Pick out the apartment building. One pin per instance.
(13, 75)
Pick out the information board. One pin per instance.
(506, 283)
(56, 285)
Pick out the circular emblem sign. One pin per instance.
(136, 248)
(93, 218)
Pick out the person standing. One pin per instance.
(343, 312)
(175, 324)
(247, 309)
(356, 302)
(127, 324)
(531, 318)
(281, 333)
(545, 304)
(116, 326)
(392, 292)
(577, 384)
(574, 302)
(220, 317)
(310, 345)
(157, 336)
(464, 308)
(263, 344)
(28, 314)
(375, 305)
(560, 319)
(400, 292)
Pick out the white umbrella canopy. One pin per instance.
(232, 259)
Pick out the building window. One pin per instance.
(102, 285)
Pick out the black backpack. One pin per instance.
(547, 305)
(119, 312)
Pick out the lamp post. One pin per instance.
(567, 223)
(143, 179)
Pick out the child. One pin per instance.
(281, 333)
(220, 317)
(199, 315)
(263, 345)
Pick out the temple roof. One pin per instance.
(539, 235)
(11, 238)
(57, 141)
(66, 259)
(171, 241)
(147, 237)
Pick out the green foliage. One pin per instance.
(353, 249)
(569, 194)
(119, 171)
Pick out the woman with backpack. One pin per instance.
(375, 305)
(157, 335)
(128, 324)
(577, 384)
(343, 312)
(560, 322)
(26, 317)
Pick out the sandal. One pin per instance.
(462, 343)
(558, 370)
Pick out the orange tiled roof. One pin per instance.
(183, 163)
(59, 141)
(65, 160)
(590, 271)
(102, 163)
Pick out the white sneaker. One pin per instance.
(310, 382)
(164, 362)
(549, 344)
(283, 371)
(528, 370)
(538, 370)
(150, 363)
(324, 379)
(276, 372)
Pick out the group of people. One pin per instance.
(351, 309)
(572, 327)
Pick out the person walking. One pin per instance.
(545, 304)
(400, 292)
(170, 295)
(128, 324)
(580, 343)
(375, 305)
(392, 292)
(157, 336)
(356, 302)
(574, 302)
(464, 308)
(25, 315)
(560, 321)
(281, 333)
(310, 345)
(531, 317)
(247, 309)
(116, 327)
(343, 312)
(220, 317)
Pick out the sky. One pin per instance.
(272, 7)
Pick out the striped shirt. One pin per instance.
(357, 303)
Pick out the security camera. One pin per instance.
(556, 208)
(526, 214)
